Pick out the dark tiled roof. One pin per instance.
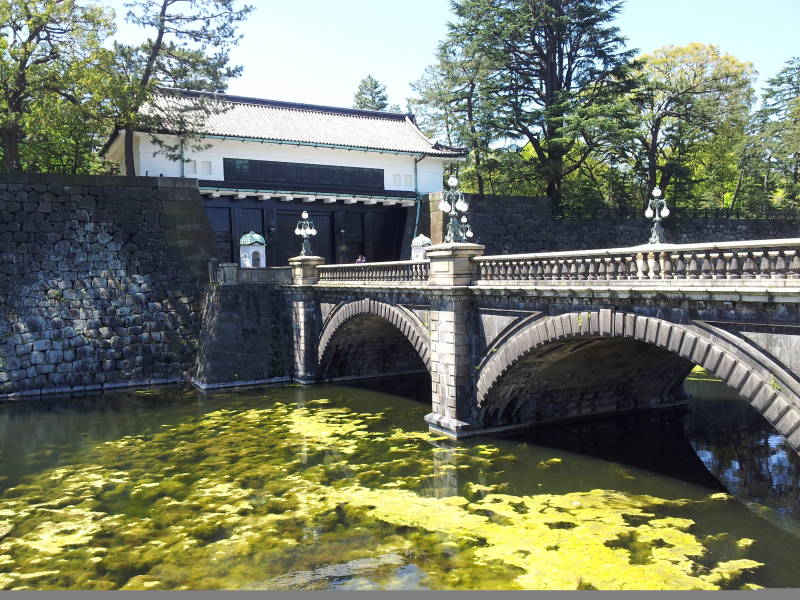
(291, 122)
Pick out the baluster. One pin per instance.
(641, 267)
(748, 265)
(705, 266)
(653, 267)
(539, 269)
(623, 267)
(601, 268)
(678, 266)
(793, 264)
(731, 265)
(717, 265)
(514, 270)
(761, 262)
(665, 259)
(581, 268)
(495, 274)
(777, 264)
(692, 266)
(611, 267)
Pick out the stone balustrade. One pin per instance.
(232, 273)
(406, 271)
(751, 260)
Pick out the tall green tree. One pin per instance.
(689, 96)
(187, 47)
(456, 105)
(46, 49)
(370, 95)
(781, 110)
(556, 71)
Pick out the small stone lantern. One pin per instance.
(418, 245)
(252, 251)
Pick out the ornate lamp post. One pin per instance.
(657, 210)
(453, 202)
(305, 228)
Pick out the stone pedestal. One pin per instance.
(304, 269)
(451, 267)
(451, 264)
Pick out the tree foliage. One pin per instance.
(552, 72)
(187, 47)
(370, 95)
(50, 51)
(548, 100)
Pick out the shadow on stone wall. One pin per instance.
(102, 281)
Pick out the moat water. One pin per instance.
(343, 487)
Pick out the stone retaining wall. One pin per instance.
(246, 337)
(517, 225)
(102, 281)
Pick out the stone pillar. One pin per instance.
(305, 309)
(452, 385)
(304, 269)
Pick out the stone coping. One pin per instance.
(756, 245)
(730, 293)
(394, 263)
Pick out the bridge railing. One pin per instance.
(410, 271)
(231, 273)
(759, 259)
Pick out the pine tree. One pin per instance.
(371, 95)
(189, 49)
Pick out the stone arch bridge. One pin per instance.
(515, 340)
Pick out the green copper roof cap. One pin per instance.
(421, 241)
(252, 238)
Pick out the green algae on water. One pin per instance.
(302, 496)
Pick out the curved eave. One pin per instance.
(432, 153)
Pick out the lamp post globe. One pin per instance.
(453, 203)
(657, 210)
(304, 229)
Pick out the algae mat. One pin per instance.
(322, 495)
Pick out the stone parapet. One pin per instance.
(304, 269)
(452, 264)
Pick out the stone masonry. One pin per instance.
(102, 281)
(518, 224)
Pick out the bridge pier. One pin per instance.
(452, 390)
(304, 314)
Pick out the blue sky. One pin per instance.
(317, 51)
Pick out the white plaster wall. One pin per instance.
(429, 170)
(429, 173)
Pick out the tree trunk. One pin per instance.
(736, 191)
(130, 166)
(554, 191)
(9, 136)
(478, 175)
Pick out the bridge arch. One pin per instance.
(371, 322)
(642, 360)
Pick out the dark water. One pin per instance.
(333, 486)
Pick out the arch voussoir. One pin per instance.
(417, 337)
(732, 367)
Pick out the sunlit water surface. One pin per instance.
(344, 487)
